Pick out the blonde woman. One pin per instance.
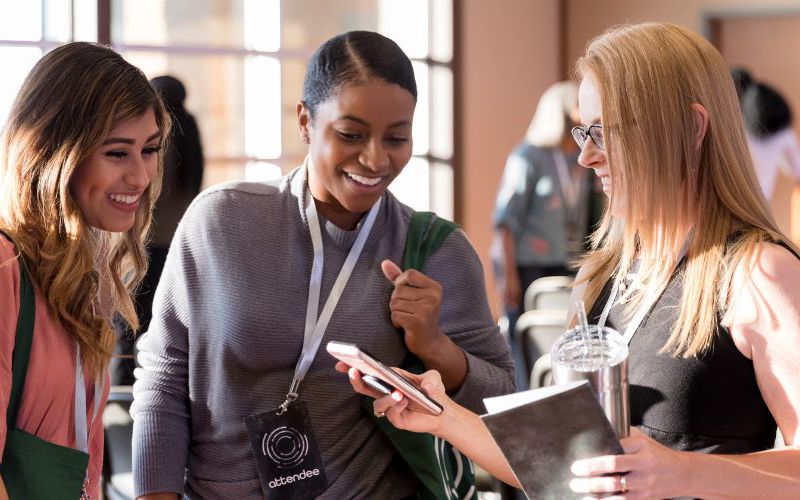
(541, 215)
(689, 235)
(79, 172)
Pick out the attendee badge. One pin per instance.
(287, 456)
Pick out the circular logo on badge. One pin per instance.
(285, 446)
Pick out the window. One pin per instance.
(243, 63)
(28, 29)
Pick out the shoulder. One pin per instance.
(529, 155)
(765, 299)
(230, 199)
(402, 214)
(529, 151)
(772, 266)
(458, 255)
(768, 278)
(235, 190)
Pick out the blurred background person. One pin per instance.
(770, 136)
(741, 80)
(183, 176)
(541, 215)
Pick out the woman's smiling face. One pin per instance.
(107, 185)
(360, 140)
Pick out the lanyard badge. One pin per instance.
(286, 452)
(287, 456)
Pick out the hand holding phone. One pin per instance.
(383, 376)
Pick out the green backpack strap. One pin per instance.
(22, 344)
(443, 472)
(33, 467)
(426, 233)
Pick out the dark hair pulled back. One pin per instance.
(355, 57)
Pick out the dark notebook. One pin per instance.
(542, 431)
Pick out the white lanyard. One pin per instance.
(646, 305)
(81, 424)
(315, 328)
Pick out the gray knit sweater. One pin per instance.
(227, 332)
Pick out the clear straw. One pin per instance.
(583, 325)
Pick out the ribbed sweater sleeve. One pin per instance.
(466, 318)
(161, 430)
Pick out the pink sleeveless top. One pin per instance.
(47, 408)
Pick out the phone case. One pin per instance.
(369, 365)
(377, 384)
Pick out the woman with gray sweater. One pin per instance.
(231, 389)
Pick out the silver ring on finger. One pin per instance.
(623, 484)
(380, 414)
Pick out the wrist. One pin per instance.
(687, 469)
(434, 347)
(449, 419)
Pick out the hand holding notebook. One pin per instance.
(543, 431)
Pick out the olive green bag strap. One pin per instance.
(33, 467)
(22, 344)
(425, 235)
(443, 473)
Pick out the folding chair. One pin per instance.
(536, 331)
(542, 372)
(549, 292)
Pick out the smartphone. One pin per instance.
(368, 365)
(377, 384)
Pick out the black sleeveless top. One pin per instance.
(709, 403)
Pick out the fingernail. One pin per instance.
(351, 373)
(397, 396)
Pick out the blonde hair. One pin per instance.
(552, 118)
(71, 100)
(648, 75)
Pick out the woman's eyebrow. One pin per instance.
(127, 140)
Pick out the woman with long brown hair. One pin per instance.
(689, 235)
(79, 173)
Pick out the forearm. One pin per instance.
(773, 474)
(509, 251)
(159, 496)
(3, 492)
(477, 362)
(448, 359)
(466, 431)
(160, 453)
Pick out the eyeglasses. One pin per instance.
(581, 132)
